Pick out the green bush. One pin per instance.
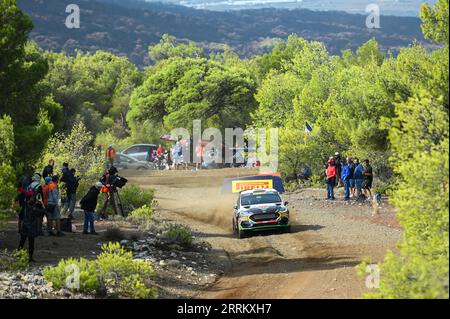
(60, 275)
(13, 260)
(142, 216)
(134, 197)
(122, 275)
(178, 234)
(114, 271)
(420, 158)
(76, 149)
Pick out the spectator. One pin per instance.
(177, 155)
(64, 169)
(160, 150)
(36, 182)
(367, 179)
(24, 193)
(331, 178)
(32, 211)
(48, 170)
(88, 203)
(72, 182)
(345, 178)
(352, 166)
(337, 163)
(358, 178)
(110, 155)
(53, 207)
(35, 187)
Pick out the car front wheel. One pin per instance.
(241, 233)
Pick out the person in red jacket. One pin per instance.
(331, 178)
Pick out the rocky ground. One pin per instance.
(180, 271)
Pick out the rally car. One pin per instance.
(260, 209)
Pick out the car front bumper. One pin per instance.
(246, 223)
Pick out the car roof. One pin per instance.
(259, 190)
(142, 145)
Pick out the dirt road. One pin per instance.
(316, 260)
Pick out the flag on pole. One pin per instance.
(308, 128)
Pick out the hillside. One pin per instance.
(128, 27)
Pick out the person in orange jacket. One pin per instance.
(331, 178)
(110, 155)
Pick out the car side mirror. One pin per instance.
(235, 207)
(285, 203)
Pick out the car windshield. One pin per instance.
(255, 199)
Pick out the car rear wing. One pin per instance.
(239, 184)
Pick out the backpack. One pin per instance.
(38, 194)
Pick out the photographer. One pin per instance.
(88, 203)
(111, 181)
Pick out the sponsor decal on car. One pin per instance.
(243, 185)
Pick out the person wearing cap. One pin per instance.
(331, 178)
(36, 182)
(88, 203)
(338, 164)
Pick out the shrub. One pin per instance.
(122, 275)
(114, 271)
(134, 197)
(60, 275)
(419, 138)
(13, 260)
(142, 216)
(179, 234)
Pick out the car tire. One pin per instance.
(241, 234)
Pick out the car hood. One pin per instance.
(262, 209)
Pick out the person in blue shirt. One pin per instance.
(345, 178)
(358, 175)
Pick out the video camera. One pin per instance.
(118, 181)
(114, 180)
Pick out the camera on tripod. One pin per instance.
(118, 181)
(112, 182)
(112, 179)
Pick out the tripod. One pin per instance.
(113, 197)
